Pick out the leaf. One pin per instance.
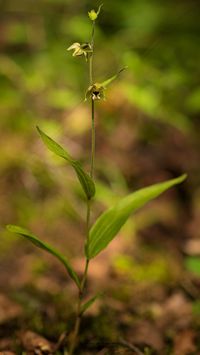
(85, 180)
(42, 245)
(89, 303)
(108, 81)
(110, 222)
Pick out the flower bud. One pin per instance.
(93, 14)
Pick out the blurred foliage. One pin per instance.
(156, 268)
(193, 265)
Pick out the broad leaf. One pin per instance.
(42, 245)
(110, 222)
(84, 178)
(89, 303)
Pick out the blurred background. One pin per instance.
(147, 131)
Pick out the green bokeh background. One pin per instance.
(147, 129)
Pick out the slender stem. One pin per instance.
(82, 288)
(93, 140)
(92, 55)
(84, 279)
(78, 311)
(92, 104)
(91, 70)
(92, 38)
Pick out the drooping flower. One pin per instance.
(96, 92)
(81, 49)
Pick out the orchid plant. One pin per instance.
(108, 224)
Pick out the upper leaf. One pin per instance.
(109, 80)
(42, 245)
(110, 222)
(85, 180)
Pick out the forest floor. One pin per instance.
(150, 301)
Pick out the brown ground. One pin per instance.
(150, 300)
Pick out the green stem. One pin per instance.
(93, 140)
(81, 290)
(78, 311)
(91, 70)
(84, 278)
(92, 55)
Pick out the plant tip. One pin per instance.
(93, 14)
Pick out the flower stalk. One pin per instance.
(95, 91)
(89, 57)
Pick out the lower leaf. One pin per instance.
(110, 222)
(42, 245)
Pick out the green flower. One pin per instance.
(81, 49)
(96, 92)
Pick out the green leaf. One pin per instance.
(110, 222)
(42, 245)
(85, 180)
(108, 81)
(89, 303)
(192, 264)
